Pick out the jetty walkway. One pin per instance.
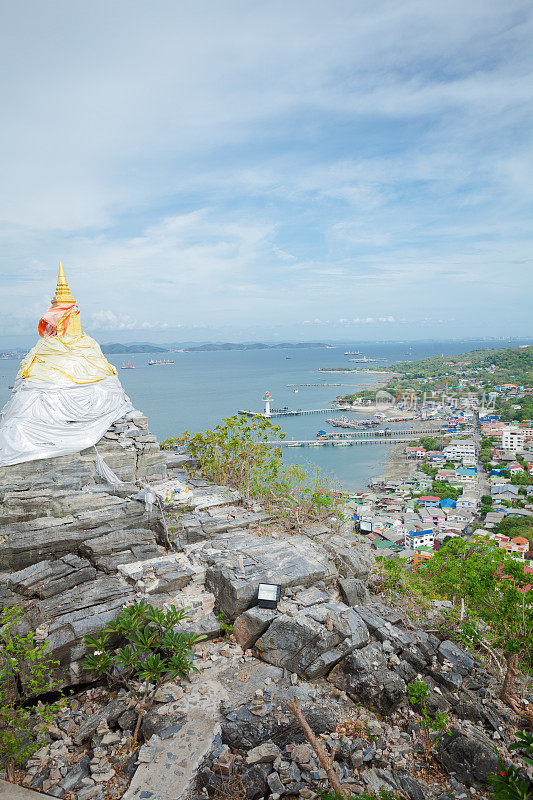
(362, 437)
(298, 413)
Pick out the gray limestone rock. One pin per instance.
(312, 641)
(242, 729)
(236, 564)
(73, 779)
(109, 713)
(377, 779)
(407, 783)
(470, 759)
(263, 754)
(119, 540)
(47, 578)
(461, 662)
(79, 611)
(62, 528)
(103, 589)
(310, 597)
(365, 676)
(354, 558)
(161, 722)
(353, 591)
(251, 624)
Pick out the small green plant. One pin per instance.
(226, 628)
(26, 669)
(392, 575)
(383, 794)
(144, 645)
(509, 784)
(524, 746)
(418, 694)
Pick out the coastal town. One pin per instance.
(215, 631)
(475, 477)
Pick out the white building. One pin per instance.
(465, 480)
(468, 500)
(416, 539)
(461, 449)
(513, 439)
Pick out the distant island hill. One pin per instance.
(116, 347)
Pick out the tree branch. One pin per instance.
(326, 759)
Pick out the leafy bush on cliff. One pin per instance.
(480, 577)
(26, 670)
(245, 455)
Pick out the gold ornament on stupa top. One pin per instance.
(63, 353)
(63, 293)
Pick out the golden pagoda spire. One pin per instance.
(63, 294)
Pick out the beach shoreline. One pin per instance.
(397, 466)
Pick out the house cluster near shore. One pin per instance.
(477, 473)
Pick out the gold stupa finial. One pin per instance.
(63, 294)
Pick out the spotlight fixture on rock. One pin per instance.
(268, 595)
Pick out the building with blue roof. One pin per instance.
(416, 539)
(447, 502)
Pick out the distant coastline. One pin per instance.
(116, 347)
(255, 346)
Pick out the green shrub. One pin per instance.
(509, 784)
(418, 694)
(26, 670)
(142, 645)
(493, 587)
(245, 455)
(226, 628)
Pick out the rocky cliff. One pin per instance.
(74, 550)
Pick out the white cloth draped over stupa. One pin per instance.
(66, 394)
(46, 420)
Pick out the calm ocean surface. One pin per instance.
(202, 388)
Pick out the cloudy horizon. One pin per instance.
(242, 171)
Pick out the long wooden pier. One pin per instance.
(382, 433)
(366, 437)
(297, 413)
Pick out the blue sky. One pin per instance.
(244, 170)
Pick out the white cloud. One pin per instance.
(264, 163)
(106, 320)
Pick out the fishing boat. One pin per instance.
(129, 365)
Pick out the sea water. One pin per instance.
(201, 388)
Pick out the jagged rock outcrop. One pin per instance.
(314, 640)
(74, 551)
(236, 564)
